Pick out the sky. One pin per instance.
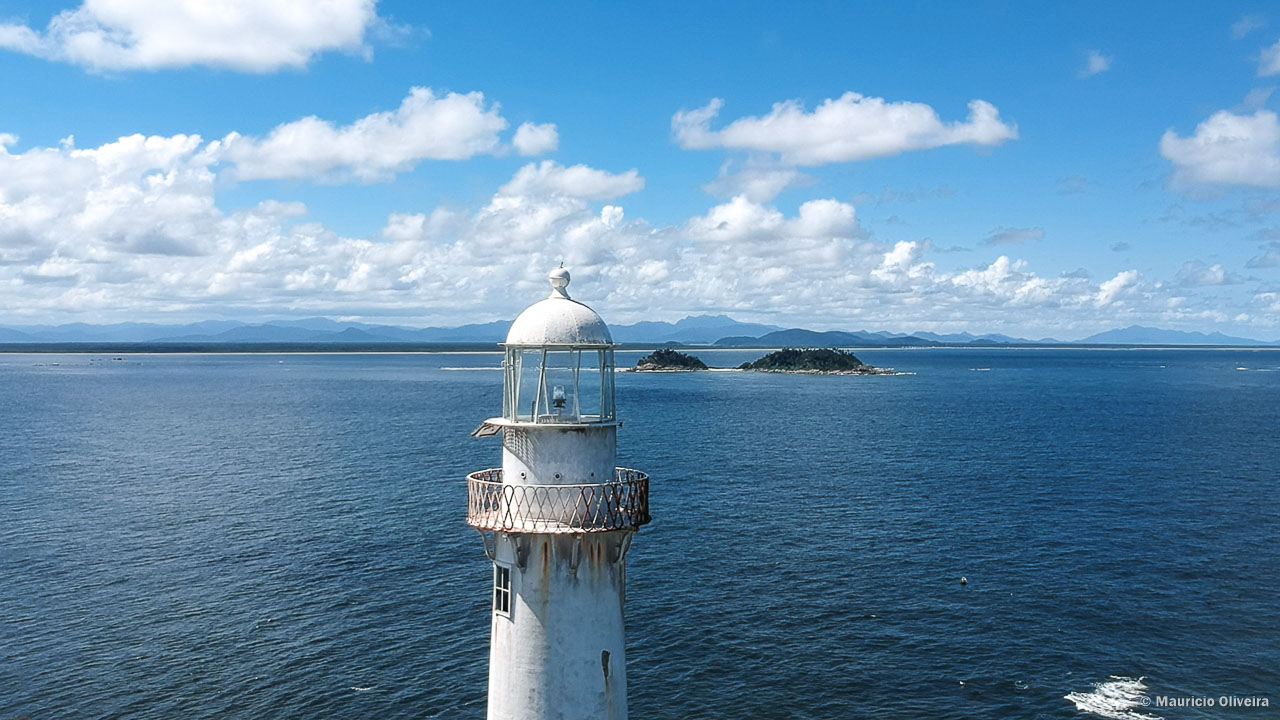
(1035, 169)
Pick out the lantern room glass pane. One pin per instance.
(525, 383)
(589, 384)
(559, 402)
(561, 385)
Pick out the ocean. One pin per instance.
(282, 536)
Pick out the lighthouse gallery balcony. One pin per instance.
(575, 508)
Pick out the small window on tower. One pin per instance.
(502, 590)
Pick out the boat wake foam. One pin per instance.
(1118, 698)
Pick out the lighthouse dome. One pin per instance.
(559, 320)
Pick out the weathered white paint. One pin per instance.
(558, 455)
(548, 661)
(551, 455)
(560, 654)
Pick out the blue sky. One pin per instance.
(1034, 169)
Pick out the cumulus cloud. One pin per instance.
(902, 261)
(741, 219)
(1094, 63)
(1227, 149)
(1013, 235)
(757, 184)
(245, 35)
(454, 126)
(132, 230)
(997, 276)
(532, 139)
(1005, 283)
(849, 128)
(139, 195)
(1195, 273)
(1269, 301)
(549, 179)
(1110, 292)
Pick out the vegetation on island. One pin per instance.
(811, 360)
(668, 359)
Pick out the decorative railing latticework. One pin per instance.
(596, 507)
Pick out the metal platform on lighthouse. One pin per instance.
(593, 507)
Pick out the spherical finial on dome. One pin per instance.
(559, 278)
(558, 320)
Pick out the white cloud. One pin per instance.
(1111, 291)
(1245, 25)
(1008, 281)
(132, 230)
(407, 226)
(425, 126)
(140, 195)
(902, 261)
(19, 38)
(531, 139)
(740, 219)
(1195, 273)
(1094, 63)
(986, 290)
(245, 35)
(1257, 98)
(548, 179)
(1269, 60)
(1269, 301)
(850, 128)
(1227, 149)
(757, 184)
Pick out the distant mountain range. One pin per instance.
(714, 330)
(1139, 335)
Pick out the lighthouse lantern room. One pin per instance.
(557, 519)
(559, 362)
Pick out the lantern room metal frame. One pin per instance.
(541, 399)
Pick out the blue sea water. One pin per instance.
(282, 536)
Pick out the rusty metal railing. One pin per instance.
(595, 507)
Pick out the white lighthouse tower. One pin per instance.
(557, 519)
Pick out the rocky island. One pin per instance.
(668, 360)
(802, 361)
(814, 361)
